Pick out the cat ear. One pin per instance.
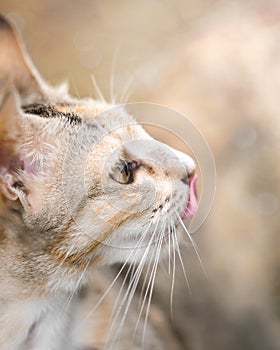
(16, 67)
(20, 167)
(9, 134)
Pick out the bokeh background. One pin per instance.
(217, 62)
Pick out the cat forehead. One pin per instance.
(79, 112)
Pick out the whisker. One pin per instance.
(173, 278)
(146, 291)
(112, 75)
(182, 264)
(146, 275)
(150, 284)
(76, 89)
(152, 287)
(58, 270)
(97, 89)
(112, 284)
(129, 293)
(126, 92)
(128, 296)
(142, 238)
(77, 286)
(129, 272)
(195, 247)
(169, 254)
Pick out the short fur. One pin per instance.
(66, 202)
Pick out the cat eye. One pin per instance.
(123, 172)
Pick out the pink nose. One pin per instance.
(186, 179)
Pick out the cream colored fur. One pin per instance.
(62, 211)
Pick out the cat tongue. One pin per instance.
(191, 207)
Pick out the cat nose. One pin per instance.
(186, 179)
(184, 159)
(188, 164)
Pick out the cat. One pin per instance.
(82, 184)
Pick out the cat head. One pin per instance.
(80, 178)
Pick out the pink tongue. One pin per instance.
(192, 202)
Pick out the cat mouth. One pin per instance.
(191, 207)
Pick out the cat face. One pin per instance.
(133, 189)
(83, 181)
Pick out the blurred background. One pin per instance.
(217, 62)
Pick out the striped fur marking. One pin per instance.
(50, 111)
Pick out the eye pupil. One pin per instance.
(126, 168)
(124, 171)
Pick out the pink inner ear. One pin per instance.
(9, 166)
(8, 163)
(4, 162)
(11, 182)
(30, 167)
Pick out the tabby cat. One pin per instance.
(82, 184)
